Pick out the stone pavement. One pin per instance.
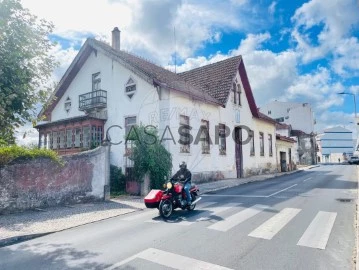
(26, 225)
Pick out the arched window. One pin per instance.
(130, 88)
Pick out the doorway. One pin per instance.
(239, 154)
(283, 161)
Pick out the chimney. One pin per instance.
(116, 38)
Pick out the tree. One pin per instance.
(25, 66)
(149, 155)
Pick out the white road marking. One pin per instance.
(275, 193)
(245, 196)
(318, 232)
(206, 216)
(305, 180)
(171, 260)
(273, 225)
(202, 206)
(228, 223)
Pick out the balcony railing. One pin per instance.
(93, 100)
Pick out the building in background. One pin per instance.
(297, 122)
(335, 145)
(299, 115)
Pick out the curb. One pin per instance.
(271, 177)
(21, 238)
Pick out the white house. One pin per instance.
(106, 91)
(292, 114)
(335, 144)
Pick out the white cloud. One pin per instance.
(322, 28)
(271, 8)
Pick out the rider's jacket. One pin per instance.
(183, 174)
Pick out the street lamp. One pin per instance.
(355, 103)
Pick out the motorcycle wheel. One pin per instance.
(193, 206)
(166, 209)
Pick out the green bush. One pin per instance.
(150, 156)
(117, 180)
(9, 153)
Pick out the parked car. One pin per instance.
(353, 160)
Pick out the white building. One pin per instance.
(107, 89)
(335, 144)
(299, 115)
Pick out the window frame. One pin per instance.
(270, 144)
(184, 148)
(222, 139)
(205, 144)
(261, 144)
(128, 127)
(96, 81)
(252, 151)
(130, 94)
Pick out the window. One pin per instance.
(270, 144)
(86, 137)
(54, 140)
(205, 136)
(252, 150)
(99, 135)
(184, 148)
(69, 138)
(96, 81)
(239, 91)
(261, 143)
(62, 139)
(46, 142)
(130, 122)
(222, 139)
(269, 112)
(234, 89)
(77, 137)
(130, 88)
(50, 140)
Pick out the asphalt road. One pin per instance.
(299, 221)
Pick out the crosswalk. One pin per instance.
(224, 217)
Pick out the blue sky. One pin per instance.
(305, 51)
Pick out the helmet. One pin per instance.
(183, 165)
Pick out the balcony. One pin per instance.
(93, 100)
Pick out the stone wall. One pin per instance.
(37, 183)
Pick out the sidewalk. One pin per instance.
(26, 225)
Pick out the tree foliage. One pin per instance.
(13, 152)
(149, 155)
(25, 66)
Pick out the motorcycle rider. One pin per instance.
(184, 175)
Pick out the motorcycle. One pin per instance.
(171, 198)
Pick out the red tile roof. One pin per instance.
(285, 138)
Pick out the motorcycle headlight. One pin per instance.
(169, 185)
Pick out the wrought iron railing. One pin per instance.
(92, 100)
